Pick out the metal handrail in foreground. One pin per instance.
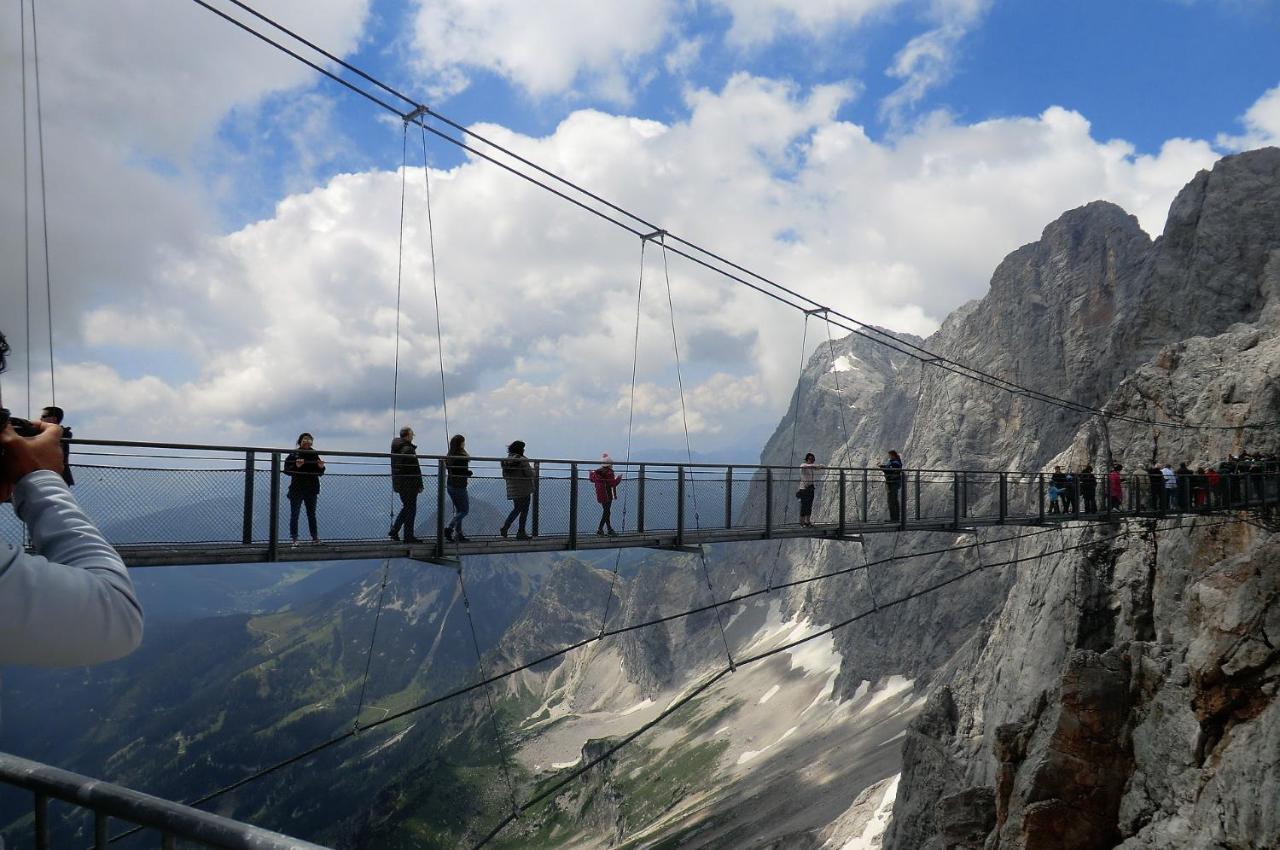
(172, 820)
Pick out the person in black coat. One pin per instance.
(1089, 490)
(304, 468)
(406, 481)
(54, 416)
(893, 484)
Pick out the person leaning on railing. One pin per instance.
(72, 602)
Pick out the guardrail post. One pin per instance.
(768, 503)
(640, 499)
(917, 494)
(680, 506)
(537, 493)
(441, 475)
(168, 842)
(840, 530)
(955, 499)
(1040, 477)
(1004, 497)
(866, 507)
(273, 533)
(1075, 494)
(573, 506)
(42, 822)
(728, 497)
(964, 494)
(246, 531)
(902, 497)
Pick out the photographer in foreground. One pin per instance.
(72, 603)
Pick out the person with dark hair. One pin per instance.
(406, 481)
(304, 468)
(1185, 478)
(893, 483)
(808, 486)
(71, 603)
(54, 416)
(1058, 483)
(1155, 486)
(1213, 487)
(606, 484)
(457, 465)
(1089, 489)
(518, 474)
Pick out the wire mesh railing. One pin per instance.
(184, 495)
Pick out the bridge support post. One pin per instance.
(537, 493)
(273, 525)
(1040, 478)
(902, 498)
(917, 494)
(768, 503)
(841, 527)
(440, 479)
(1004, 497)
(955, 499)
(640, 499)
(866, 507)
(42, 822)
(728, 497)
(573, 506)
(246, 530)
(679, 505)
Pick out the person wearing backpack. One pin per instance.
(606, 484)
(519, 477)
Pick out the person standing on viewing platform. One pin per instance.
(1170, 479)
(1185, 478)
(1155, 484)
(808, 486)
(457, 465)
(893, 483)
(54, 416)
(1089, 489)
(606, 483)
(72, 602)
(406, 481)
(1115, 488)
(518, 474)
(1058, 483)
(304, 468)
(1213, 487)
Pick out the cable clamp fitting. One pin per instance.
(816, 310)
(657, 234)
(418, 112)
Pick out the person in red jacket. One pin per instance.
(606, 482)
(1115, 488)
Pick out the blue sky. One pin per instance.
(224, 221)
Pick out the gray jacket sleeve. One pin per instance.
(74, 603)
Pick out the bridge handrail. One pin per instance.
(583, 463)
(108, 800)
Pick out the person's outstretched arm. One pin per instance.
(73, 603)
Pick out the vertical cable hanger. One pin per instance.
(44, 201)
(435, 283)
(26, 199)
(688, 446)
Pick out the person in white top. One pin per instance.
(805, 494)
(72, 602)
(1170, 487)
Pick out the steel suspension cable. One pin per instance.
(488, 692)
(435, 287)
(395, 378)
(373, 637)
(631, 419)
(44, 203)
(786, 647)
(26, 199)
(688, 446)
(699, 255)
(485, 682)
(791, 459)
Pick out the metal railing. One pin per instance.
(157, 494)
(105, 801)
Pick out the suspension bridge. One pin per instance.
(181, 504)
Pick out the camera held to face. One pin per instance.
(22, 427)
